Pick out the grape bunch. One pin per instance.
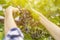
(36, 34)
(26, 19)
(28, 24)
(40, 34)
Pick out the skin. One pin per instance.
(9, 22)
(53, 29)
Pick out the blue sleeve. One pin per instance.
(14, 34)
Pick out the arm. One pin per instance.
(9, 21)
(53, 29)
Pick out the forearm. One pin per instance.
(9, 22)
(52, 28)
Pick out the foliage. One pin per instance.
(1, 31)
(50, 7)
(2, 1)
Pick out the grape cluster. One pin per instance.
(28, 25)
(39, 34)
(36, 34)
(26, 19)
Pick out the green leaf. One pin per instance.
(2, 1)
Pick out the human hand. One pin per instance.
(10, 10)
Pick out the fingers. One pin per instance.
(15, 10)
(11, 9)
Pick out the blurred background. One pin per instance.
(49, 8)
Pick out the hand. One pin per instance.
(9, 21)
(10, 10)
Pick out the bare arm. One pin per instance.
(9, 21)
(53, 29)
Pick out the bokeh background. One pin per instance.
(49, 8)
